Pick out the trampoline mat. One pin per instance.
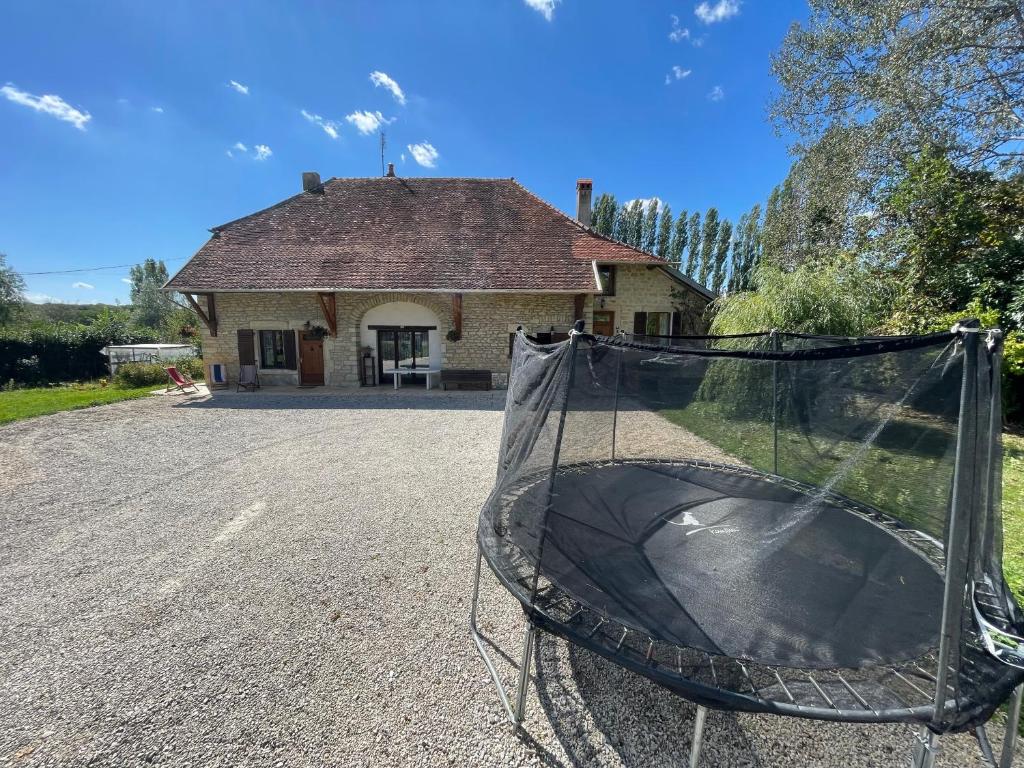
(734, 564)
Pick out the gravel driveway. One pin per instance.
(284, 580)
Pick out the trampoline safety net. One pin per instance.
(769, 522)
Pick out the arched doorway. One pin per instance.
(402, 335)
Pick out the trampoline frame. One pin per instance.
(926, 743)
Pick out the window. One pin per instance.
(659, 323)
(274, 349)
(607, 274)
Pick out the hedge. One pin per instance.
(60, 352)
(133, 375)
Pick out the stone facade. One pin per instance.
(487, 321)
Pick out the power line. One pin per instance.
(93, 269)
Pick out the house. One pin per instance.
(421, 271)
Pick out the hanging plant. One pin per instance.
(453, 335)
(316, 333)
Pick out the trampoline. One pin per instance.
(774, 523)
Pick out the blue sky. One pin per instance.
(138, 148)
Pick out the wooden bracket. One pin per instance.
(209, 317)
(457, 314)
(329, 307)
(579, 301)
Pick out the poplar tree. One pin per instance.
(707, 245)
(665, 234)
(603, 218)
(691, 261)
(649, 239)
(679, 238)
(724, 240)
(636, 234)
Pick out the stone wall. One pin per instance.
(487, 321)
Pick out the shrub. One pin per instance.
(131, 375)
(190, 366)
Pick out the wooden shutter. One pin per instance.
(289, 350)
(640, 323)
(246, 349)
(677, 324)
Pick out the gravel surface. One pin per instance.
(278, 579)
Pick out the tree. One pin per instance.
(707, 247)
(650, 233)
(953, 237)
(636, 234)
(721, 253)
(663, 250)
(751, 251)
(150, 305)
(12, 291)
(738, 256)
(691, 260)
(912, 73)
(603, 218)
(679, 238)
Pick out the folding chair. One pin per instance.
(248, 378)
(179, 380)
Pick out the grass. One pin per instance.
(888, 475)
(39, 401)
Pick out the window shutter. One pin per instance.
(289, 350)
(640, 323)
(677, 323)
(246, 350)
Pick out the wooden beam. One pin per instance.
(579, 302)
(209, 319)
(329, 307)
(457, 314)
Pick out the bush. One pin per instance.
(132, 375)
(62, 351)
(190, 366)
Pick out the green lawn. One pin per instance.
(26, 403)
(887, 475)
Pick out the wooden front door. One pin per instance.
(604, 322)
(311, 362)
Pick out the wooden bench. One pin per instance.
(464, 378)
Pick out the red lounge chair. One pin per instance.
(179, 380)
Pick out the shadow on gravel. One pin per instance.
(455, 401)
(644, 724)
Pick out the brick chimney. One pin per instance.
(391, 169)
(310, 181)
(584, 188)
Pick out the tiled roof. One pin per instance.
(392, 233)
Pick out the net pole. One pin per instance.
(615, 412)
(957, 530)
(570, 360)
(775, 403)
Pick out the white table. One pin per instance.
(397, 374)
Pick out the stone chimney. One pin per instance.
(391, 169)
(310, 181)
(584, 188)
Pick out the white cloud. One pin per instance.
(720, 11)
(242, 89)
(424, 154)
(49, 104)
(645, 202)
(126, 280)
(402, 156)
(382, 80)
(158, 110)
(677, 73)
(42, 298)
(262, 152)
(241, 147)
(83, 286)
(678, 33)
(368, 122)
(716, 93)
(329, 126)
(545, 8)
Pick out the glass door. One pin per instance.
(401, 348)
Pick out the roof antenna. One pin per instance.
(383, 144)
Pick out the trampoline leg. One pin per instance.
(1012, 723)
(698, 736)
(524, 673)
(925, 749)
(480, 647)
